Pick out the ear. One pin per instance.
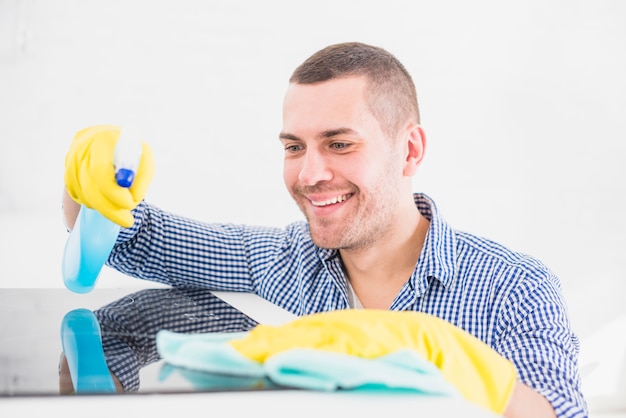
(415, 148)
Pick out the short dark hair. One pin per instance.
(391, 92)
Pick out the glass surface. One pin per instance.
(34, 331)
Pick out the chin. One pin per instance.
(324, 242)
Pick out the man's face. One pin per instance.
(340, 168)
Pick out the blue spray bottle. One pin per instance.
(91, 240)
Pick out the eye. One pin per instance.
(293, 148)
(339, 146)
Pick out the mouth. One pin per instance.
(331, 201)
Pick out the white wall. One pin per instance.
(523, 104)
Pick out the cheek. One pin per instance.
(290, 173)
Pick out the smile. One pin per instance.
(332, 201)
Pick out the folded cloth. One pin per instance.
(201, 380)
(352, 349)
(305, 368)
(325, 370)
(209, 352)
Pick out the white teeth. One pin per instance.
(336, 199)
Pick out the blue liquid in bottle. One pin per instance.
(87, 249)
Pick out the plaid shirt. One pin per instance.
(509, 300)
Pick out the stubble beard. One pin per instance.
(369, 223)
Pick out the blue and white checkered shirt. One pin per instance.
(509, 300)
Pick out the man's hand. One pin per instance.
(479, 373)
(90, 174)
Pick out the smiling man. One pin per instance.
(352, 141)
(353, 182)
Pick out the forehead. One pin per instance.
(326, 105)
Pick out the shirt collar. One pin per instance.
(437, 259)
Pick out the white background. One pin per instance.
(523, 104)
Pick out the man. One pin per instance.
(352, 141)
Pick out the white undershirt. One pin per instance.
(353, 299)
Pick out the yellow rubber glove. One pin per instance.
(481, 374)
(90, 174)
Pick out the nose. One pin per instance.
(314, 168)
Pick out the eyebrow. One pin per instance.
(325, 134)
(339, 131)
(285, 136)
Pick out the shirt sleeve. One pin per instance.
(539, 340)
(177, 251)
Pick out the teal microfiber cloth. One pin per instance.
(305, 368)
(204, 381)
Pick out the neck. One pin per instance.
(377, 273)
